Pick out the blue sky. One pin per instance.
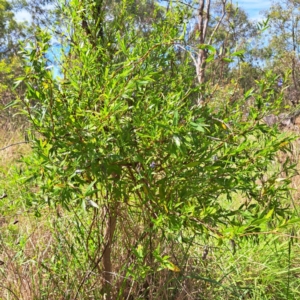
(254, 7)
(22, 16)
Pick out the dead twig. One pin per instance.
(25, 142)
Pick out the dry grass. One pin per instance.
(22, 253)
(12, 146)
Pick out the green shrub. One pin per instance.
(143, 172)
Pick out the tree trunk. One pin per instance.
(203, 19)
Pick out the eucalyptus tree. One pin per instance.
(202, 31)
(232, 41)
(283, 47)
(218, 33)
(10, 30)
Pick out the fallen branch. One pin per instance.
(25, 142)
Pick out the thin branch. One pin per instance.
(190, 53)
(207, 19)
(181, 2)
(219, 22)
(11, 291)
(25, 142)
